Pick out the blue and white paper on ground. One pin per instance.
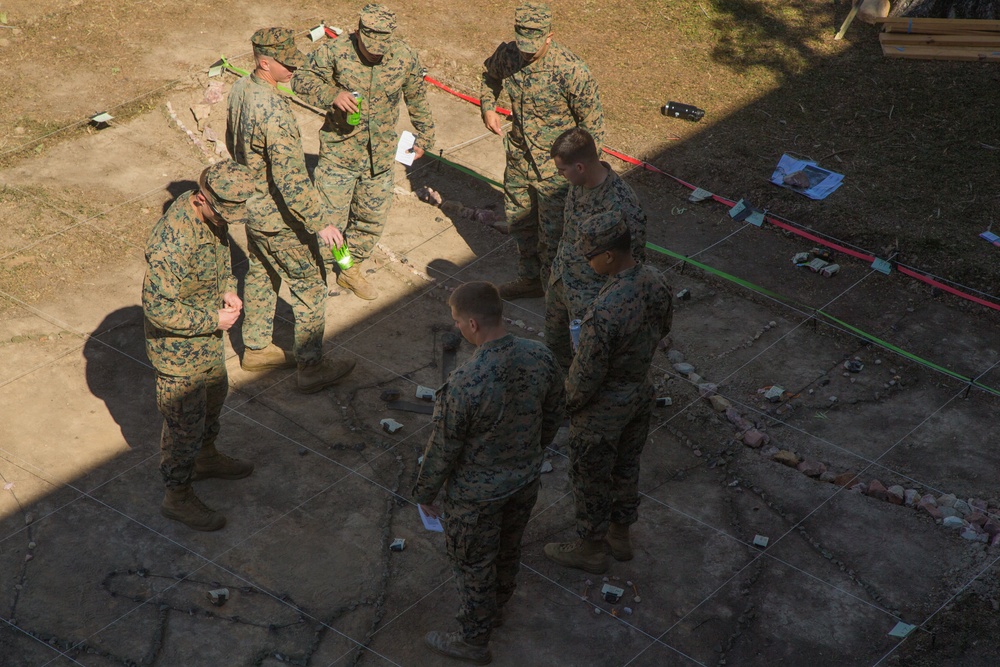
(821, 181)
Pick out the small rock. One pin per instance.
(949, 511)
(707, 389)
(769, 451)
(845, 478)
(684, 368)
(737, 420)
(978, 505)
(696, 452)
(932, 510)
(546, 466)
(877, 490)
(754, 439)
(970, 533)
(695, 379)
(774, 393)
(976, 519)
(953, 522)
(787, 458)
(29, 518)
(910, 497)
(896, 494)
(946, 500)
(811, 468)
(675, 356)
(719, 403)
(928, 499)
(992, 527)
(828, 476)
(32, 545)
(962, 507)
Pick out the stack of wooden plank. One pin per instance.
(940, 39)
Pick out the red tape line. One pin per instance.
(467, 98)
(777, 223)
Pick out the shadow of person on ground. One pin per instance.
(119, 373)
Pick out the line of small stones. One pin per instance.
(747, 616)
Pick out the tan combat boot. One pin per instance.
(353, 280)
(313, 378)
(212, 463)
(586, 555)
(453, 645)
(270, 358)
(618, 539)
(522, 288)
(180, 504)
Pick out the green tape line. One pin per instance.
(465, 170)
(863, 334)
(722, 274)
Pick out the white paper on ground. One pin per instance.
(403, 153)
(430, 523)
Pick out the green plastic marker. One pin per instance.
(343, 257)
(355, 118)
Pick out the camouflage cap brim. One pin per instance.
(600, 232)
(377, 43)
(278, 43)
(529, 40)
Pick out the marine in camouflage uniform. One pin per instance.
(492, 421)
(550, 90)
(609, 395)
(573, 285)
(355, 171)
(188, 300)
(284, 218)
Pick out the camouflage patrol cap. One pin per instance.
(228, 184)
(599, 232)
(532, 21)
(376, 26)
(278, 43)
(229, 181)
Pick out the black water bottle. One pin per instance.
(685, 111)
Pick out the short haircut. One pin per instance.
(480, 301)
(573, 146)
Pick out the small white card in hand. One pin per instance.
(430, 522)
(403, 153)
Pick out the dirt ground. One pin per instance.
(90, 574)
